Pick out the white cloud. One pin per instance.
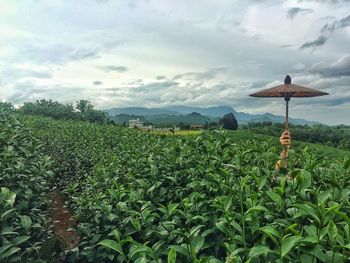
(156, 53)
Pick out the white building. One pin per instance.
(135, 123)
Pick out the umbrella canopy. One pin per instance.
(288, 90)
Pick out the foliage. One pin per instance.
(320, 151)
(84, 110)
(229, 122)
(24, 178)
(6, 107)
(336, 136)
(143, 197)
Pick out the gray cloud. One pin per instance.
(97, 82)
(321, 40)
(12, 74)
(345, 99)
(337, 69)
(154, 87)
(25, 92)
(31, 91)
(342, 23)
(54, 54)
(112, 68)
(326, 31)
(82, 54)
(209, 74)
(292, 12)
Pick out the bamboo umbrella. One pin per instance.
(287, 91)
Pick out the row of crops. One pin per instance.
(142, 197)
(25, 173)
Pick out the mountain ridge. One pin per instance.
(212, 112)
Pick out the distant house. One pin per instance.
(135, 123)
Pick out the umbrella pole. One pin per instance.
(284, 154)
(287, 109)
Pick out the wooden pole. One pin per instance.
(287, 99)
(287, 109)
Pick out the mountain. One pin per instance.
(140, 111)
(192, 118)
(177, 114)
(210, 111)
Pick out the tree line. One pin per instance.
(335, 136)
(82, 110)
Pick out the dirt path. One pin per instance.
(63, 221)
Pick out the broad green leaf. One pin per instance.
(5, 247)
(259, 250)
(288, 243)
(270, 230)
(223, 227)
(141, 260)
(9, 252)
(275, 197)
(112, 245)
(4, 214)
(309, 210)
(142, 249)
(236, 226)
(194, 231)
(10, 196)
(116, 234)
(272, 233)
(305, 258)
(172, 255)
(332, 231)
(197, 243)
(318, 253)
(136, 224)
(172, 208)
(19, 240)
(228, 202)
(309, 239)
(182, 250)
(304, 180)
(26, 222)
(257, 208)
(324, 196)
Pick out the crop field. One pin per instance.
(144, 197)
(180, 133)
(321, 151)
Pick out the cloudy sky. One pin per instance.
(156, 53)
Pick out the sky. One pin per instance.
(158, 53)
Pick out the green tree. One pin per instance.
(6, 107)
(229, 122)
(84, 106)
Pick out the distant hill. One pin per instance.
(140, 111)
(124, 118)
(164, 119)
(176, 114)
(210, 111)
